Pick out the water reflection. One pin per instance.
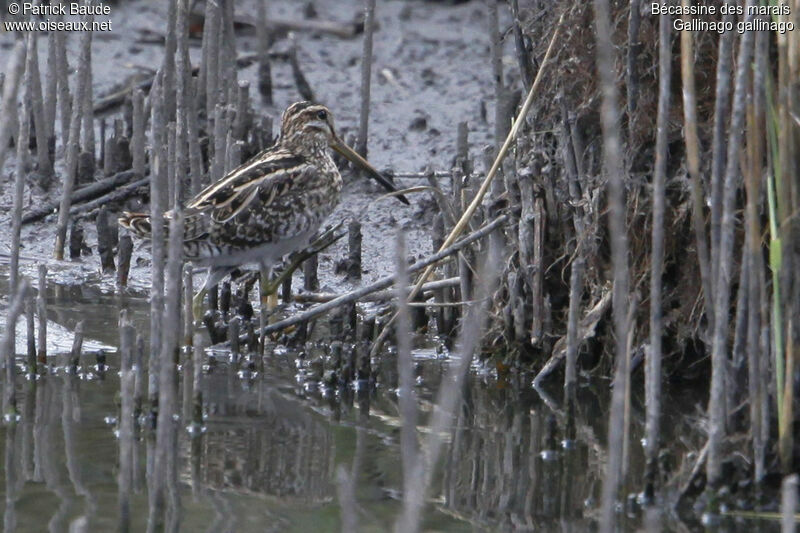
(265, 443)
(277, 454)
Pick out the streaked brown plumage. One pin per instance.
(269, 206)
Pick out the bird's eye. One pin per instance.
(322, 115)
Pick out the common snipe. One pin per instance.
(271, 205)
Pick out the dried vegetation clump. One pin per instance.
(564, 122)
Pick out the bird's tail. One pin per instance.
(138, 223)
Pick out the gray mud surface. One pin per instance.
(424, 82)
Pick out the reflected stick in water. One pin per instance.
(12, 477)
(77, 348)
(8, 350)
(48, 457)
(30, 307)
(450, 394)
(789, 504)
(345, 489)
(188, 342)
(41, 310)
(126, 420)
(71, 413)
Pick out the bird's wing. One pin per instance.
(230, 195)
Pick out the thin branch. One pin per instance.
(387, 281)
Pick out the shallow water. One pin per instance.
(272, 445)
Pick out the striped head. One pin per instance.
(307, 130)
(306, 126)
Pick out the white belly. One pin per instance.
(268, 254)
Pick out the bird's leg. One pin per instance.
(197, 304)
(269, 287)
(214, 276)
(296, 259)
(264, 293)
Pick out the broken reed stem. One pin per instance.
(23, 132)
(138, 134)
(354, 238)
(692, 143)
(158, 189)
(523, 51)
(405, 371)
(187, 344)
(243, 121)
(13, 71)
(198, 358)
(785, 176)
(631, 72)
(62, 71)
(41, 310)
(196, 171)
(124, 254)
(310, 274)
(756, 366)
(575, 291)
(718, 146)
(87, 122)
(448, 397)
(653, 363)
(171, 192)
(33, 92)
(210, 74)
(300, 80)
(77, 348)
(188, 322)
(220, 143)
(105, 239)
(8, 348)
(495, 54)
(463, 222)
(168, 65)
(719, 350)
(228, 73)
(613, 158)
(366, 77)
(30, 308)
(168, 383)
(264, 65)
(51, 88)
(73, 144)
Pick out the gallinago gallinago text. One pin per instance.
(270, 206)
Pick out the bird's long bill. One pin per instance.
(353, 156)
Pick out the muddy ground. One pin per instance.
(430, 72)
